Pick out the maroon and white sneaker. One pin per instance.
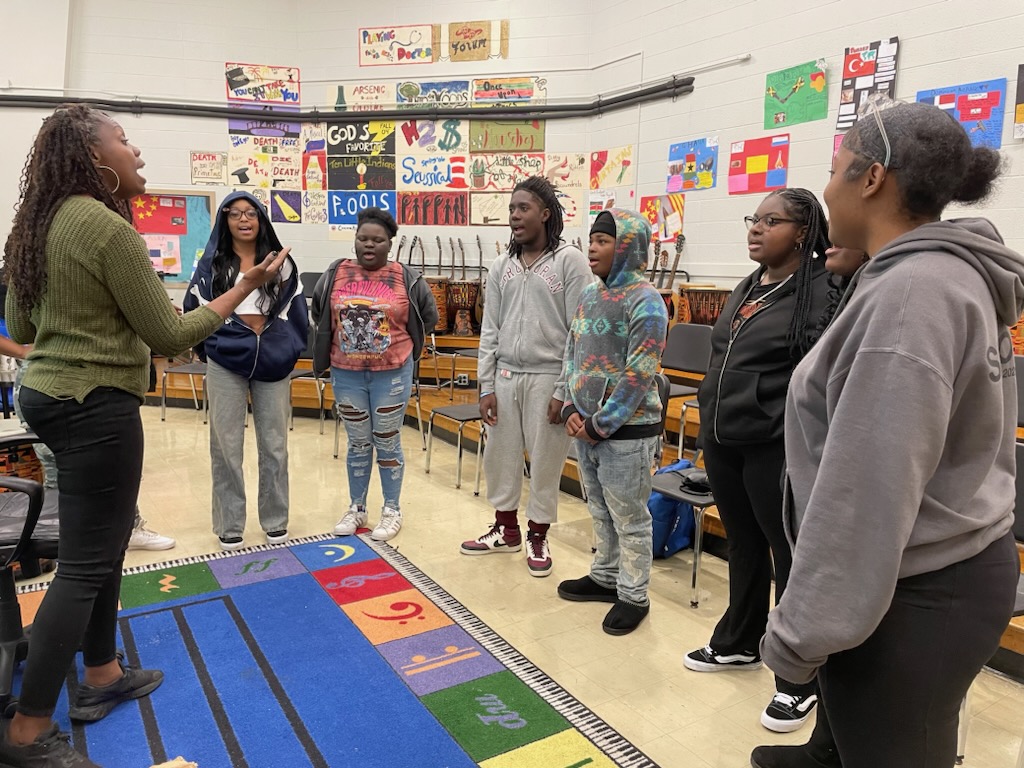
(495, 540)
(538, 554)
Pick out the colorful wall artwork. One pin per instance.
(285, 206)
(362, 97)
(426, 173)
(261, 83)
(208, 167)
(758, 165)
(452, 93)
(509, 91)
(369, 172)
(506, 135)
(478, 40)
(427, 137)
(375, 137)
(431, 209)
(391, 46)
(570, 175)
(1018, 116)
(978, 107)
(489, 209)
(869, 74)
(795, 95)
(664, 213)
(502, 171)
(692, 165)
(613, 167)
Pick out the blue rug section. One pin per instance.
(266, 674)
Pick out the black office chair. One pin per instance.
(306, 373)
(309, 281)
(687, 349)
(28, 533)
(194, 367)
(461, 415)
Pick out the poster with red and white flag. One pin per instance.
(869, 74)
(978, 107)
(160, 214)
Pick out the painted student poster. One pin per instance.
(160, 214)
(259, 161)
(506, 135)
(1018, 116)
(314, 171)
(600, 200)
(375, 137)
(429, 137)
(433, 209)
(509, 91)
(314, 207)
(361, 172)
(164, 253)
(837, 142)
(478, 40)
(389, 46)
(758, 165)
(208, 167)
(451, 93)
(313, 137)
(692, 165)
(423, 173)
(489, 209)
(285, 206)
(362, 97)
(649, 207)
(344, 206)
(795, 95)
(262, 83)
(613, 167)
(570, 176)
(978, 107)
(502, 171)
(271, 125)
(869, 74)
(670, 216)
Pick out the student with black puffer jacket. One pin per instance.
(768, 324)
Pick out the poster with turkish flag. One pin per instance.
(160, 214)
(869, 75)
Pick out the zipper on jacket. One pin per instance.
(725, 361)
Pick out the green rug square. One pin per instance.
(494, 714)
(167, 584)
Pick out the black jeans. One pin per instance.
(98, 446)
(894, 701)
(747, 484)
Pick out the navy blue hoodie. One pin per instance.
(271, 355)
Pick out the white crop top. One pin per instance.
(249, 304)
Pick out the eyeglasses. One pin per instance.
(768, 221)
(234, 214)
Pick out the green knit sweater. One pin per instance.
(102, 306)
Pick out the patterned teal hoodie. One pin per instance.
(615, 343)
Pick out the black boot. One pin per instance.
(624, 617)
(803, 756)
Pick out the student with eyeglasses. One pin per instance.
(766, 327)
(249, 358)
(900, 432)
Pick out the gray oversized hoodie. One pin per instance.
(900, 430)
(527, 314)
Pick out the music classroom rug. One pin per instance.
(330, 652)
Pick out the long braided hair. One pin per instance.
(803, 206)
(543, 190)
(58, 166)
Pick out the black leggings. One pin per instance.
(98, 446)
(747, 485)
(894, 701)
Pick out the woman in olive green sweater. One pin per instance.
(83, 292)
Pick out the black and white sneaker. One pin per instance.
(788, 713)
(706, 660)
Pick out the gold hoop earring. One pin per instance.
(108, 168)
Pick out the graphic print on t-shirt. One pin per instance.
(361, 317)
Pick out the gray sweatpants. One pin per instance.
(523, 426)
(229, 394)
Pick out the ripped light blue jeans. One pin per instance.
(372, 407)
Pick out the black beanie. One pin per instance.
(604, 224)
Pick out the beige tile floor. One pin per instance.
(637, 683)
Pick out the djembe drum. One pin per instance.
(668, 296)
(439, 289)
(704, 305)
(462, 295)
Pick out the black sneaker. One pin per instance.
(95, 702)
(586, 590)
(706, 660)
(231, 543)
(787, 713)
(51, 749)
(793, 757)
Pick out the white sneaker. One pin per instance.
(353, 520)
(143, 538)
(389, 526)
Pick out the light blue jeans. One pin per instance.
(372, 407)
(617, 476)
(229, 395)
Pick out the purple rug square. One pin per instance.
(439, 659)
(255, 566)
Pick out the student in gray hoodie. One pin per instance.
(532, 294)
(900, 428)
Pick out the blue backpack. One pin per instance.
(672, 520)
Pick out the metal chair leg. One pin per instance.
(419, 420)
(458, 466)
(195, 397)
(323, 386)
(163, 397)
(430, 441)
(698, 544)
(206, 403)
(479, 456)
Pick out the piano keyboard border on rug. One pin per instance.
(616, 746)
